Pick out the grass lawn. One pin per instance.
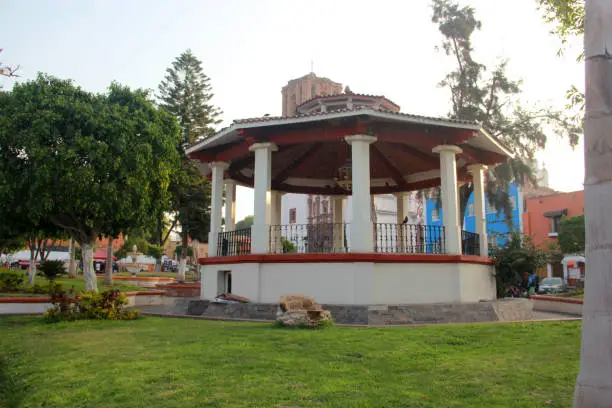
(157, 362)
(79, 285)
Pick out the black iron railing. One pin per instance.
(236, 242)
(470, 243)
(408, 238)
(308, 238)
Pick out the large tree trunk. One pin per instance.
(91, 283)
(594, 383)
(184, 252)
(108, 270)
(72, 265)
(32, 265)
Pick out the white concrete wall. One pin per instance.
(359, 283)
(416, 283)
(477, 282)
(556, 306)
(23, 308)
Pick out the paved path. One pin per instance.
(180, 310)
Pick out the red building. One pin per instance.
(542, 214)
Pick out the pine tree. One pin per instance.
(186, 93)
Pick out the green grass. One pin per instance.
(79, 285)
(157, 362)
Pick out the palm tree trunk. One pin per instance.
(108, 270)
(594, 383)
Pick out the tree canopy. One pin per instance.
(91, 164)
(490, 97)
(572, 235)
(247, 222)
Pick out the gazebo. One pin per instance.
(358, 152)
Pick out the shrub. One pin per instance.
(52, 269)
(64, 306)
(513, 259)
(36, 289)
(106, 305)
(11, 281)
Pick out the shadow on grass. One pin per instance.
(12, 389)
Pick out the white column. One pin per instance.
(338, 228)
(230, 205)
(216, 201)
(402, 212)
(263, 170)
(361, 225)
(477, 171)
(448, 186)
(275, 217)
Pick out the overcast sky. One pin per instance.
(250, 49)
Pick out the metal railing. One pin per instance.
(409, 238)
(308, 238)
(470, 243)
(236, 242)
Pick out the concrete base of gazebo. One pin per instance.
(351, 278)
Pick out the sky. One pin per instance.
(250, 49)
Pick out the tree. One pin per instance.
(594, 383)
(8, 70)
(567, 15)
(245, 223)
(572, 235)
(489, 97)
(85, 162)
(515, 258)
(186, 93)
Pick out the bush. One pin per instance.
(513, 260)
(106, 305)
(52, 269)
(11, 281)
(64, 306)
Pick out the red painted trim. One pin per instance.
(348, 257)
(34, 299)
(25, 299)
(145, 293)
(142, 278)
(171, 286)
(557, 299)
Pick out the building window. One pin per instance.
(554, 227)
(470, 210)
(435, 215)
(324, 207)
(313, 91)
(292, 216)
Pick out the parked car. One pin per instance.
(552, 285)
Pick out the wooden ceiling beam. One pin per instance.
(397, 177)
(286, 172)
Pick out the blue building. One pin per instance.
(497, 227)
